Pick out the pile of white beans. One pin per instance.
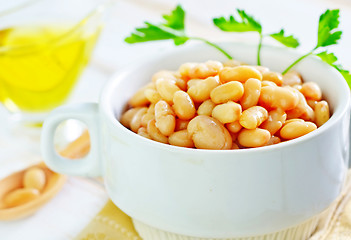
(225, 106)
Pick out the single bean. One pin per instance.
(166, 88)
(151, 109)
(181, 139)
(302, 109)
(293, 120)
(232, 63)
(155, 133)
(152, 95)
(181, 83)
(183, 105)
(276, 119)
(146, 118)
(273, 140)
(162, 108)
(205, 70)
(164, 116)
(209, 133)
(234, 127)
(266, 83)
(312, 91)
(215, 66)
(34, 178)
(252, 117)
(185, 68)
(252, 91)
(135, 124)
(227, 112)
(143, 132)
(240, 73)
(206, 108)
(181, 124)
(253, 137)
(201, 91)
(139, 99)
(297, 87)
(200, 70)
(275, 77)
(292, 78)
(311, 103)
(163, 74)
(20, 196)
(230, 91)
(278, 97)
(296, 129)
(193, 82)
(261, 69)
(128, 116)
(322, 114)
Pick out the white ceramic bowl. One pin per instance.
(212, 193)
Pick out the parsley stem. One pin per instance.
(259, 50)
(213, 45)
(297, 61)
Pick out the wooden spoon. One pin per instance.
(54, 182)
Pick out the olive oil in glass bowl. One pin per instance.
(44, 47)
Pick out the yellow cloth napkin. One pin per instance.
(112, 224)
(109, 224)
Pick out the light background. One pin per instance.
(81, 199)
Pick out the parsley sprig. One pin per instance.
(328, 34)
(331, 59)
(173, 28)
(246, 23)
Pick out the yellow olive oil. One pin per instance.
(39, 65)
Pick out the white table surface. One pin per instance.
(81, 199)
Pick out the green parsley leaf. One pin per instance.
(176, 19)
(149, 33)
(180, 40)
(247, 23)
(331, 59)
(328, 23)
(288, 41)
(328, 34)
(172, 28)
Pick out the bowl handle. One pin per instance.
(89, 165)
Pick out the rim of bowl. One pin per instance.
(108, 90)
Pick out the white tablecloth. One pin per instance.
(81, 199)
